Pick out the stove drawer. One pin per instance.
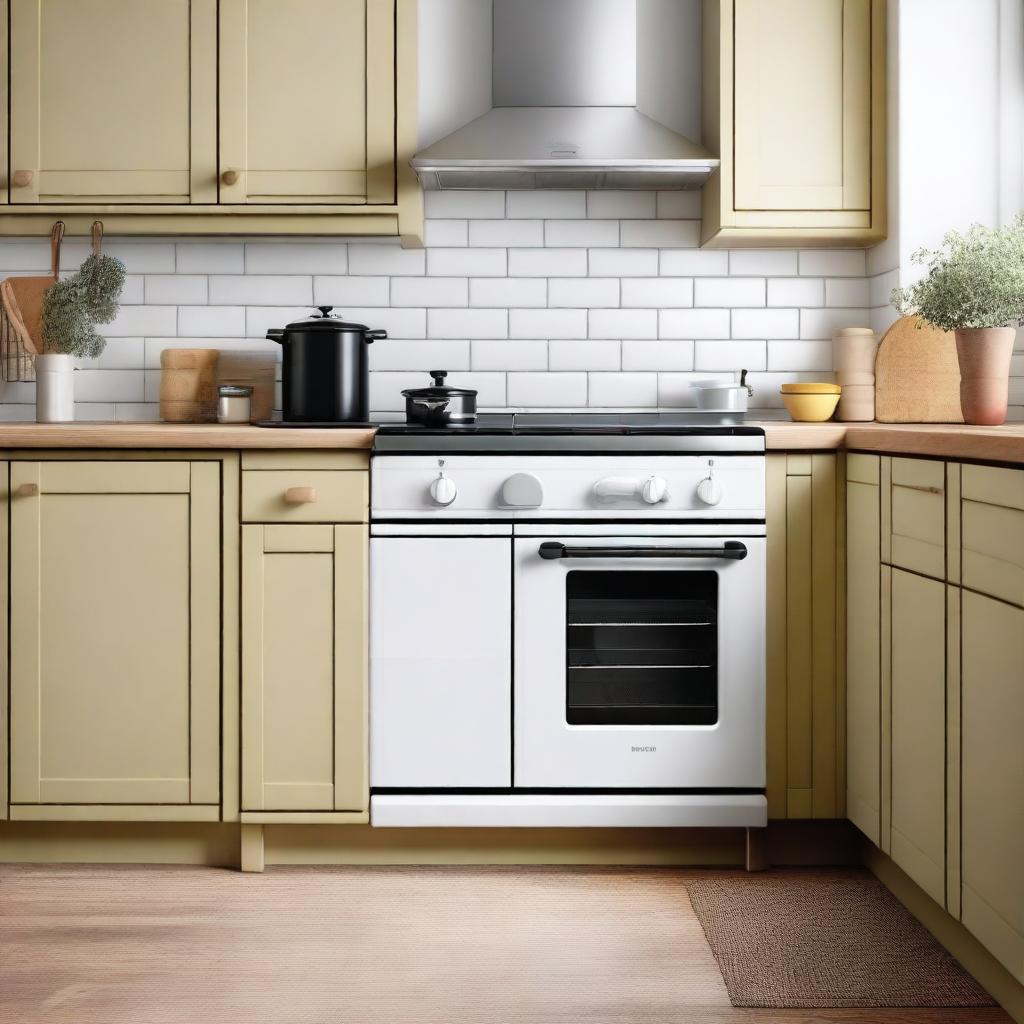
(304, 496)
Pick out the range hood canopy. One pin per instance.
(573, 89)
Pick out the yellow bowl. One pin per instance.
(810, 389)
(811, 408)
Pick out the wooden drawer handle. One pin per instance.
(22, 179)
(27, 491)
(300, 496)
(230, 177)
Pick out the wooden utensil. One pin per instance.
(917, 376)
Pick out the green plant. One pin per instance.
(74, 305)
(976, 279)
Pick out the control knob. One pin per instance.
(654, 490)
(709, 490)
(522, 490)
(443, 490)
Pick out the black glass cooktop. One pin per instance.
(580, 423)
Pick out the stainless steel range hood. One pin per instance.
(586, 94)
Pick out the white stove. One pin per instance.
(567, 623)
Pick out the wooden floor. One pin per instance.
(113, 945)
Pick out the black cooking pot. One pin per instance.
(439, 406)
(325, 370)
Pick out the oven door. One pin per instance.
(639, 662)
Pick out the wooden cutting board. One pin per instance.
(917, 376)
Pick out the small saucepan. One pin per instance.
(438, 405)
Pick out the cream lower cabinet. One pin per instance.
(115, 639)
(304, 668)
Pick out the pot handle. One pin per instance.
(276, 334)
(431, 404)
(372, 336)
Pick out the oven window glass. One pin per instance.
(641, 648)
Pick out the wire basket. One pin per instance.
(16, 362)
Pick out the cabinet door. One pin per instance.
(919, 730)
(802, 104)
(115, 615)
(304, 668)
(863, 646)
(992, 813)
(307, 101)
(113, 101)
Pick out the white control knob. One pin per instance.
(654, 490)
(442, 489)
(709, 490)
(522, 490)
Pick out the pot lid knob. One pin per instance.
(438, 376)
(325, 310)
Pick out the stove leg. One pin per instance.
(757, 849)
(252, 848)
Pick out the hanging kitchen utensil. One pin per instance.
(21, 300)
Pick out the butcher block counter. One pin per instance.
(939, 440)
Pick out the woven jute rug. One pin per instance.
(822, 939)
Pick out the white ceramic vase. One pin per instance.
(55, 388)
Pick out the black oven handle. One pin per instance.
(732, 550)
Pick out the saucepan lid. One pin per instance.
(438, 389)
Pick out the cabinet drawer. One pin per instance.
(992, 524)
(919, 516)
(304, 496)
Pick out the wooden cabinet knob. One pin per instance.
(300, 496)
(23, 178)
(230, 177)
(27, 491)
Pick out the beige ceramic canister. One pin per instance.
(188, 385)
(853, 359)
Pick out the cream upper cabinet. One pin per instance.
(794, 104)
(113, 101)
(992, 812)
(115, 652)
(304, 668)
(307, 101)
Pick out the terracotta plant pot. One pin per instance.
(984, 354)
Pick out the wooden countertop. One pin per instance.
(951, 441)
(942, 440)
(178, 435)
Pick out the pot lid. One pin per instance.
(438, 389)
(325, 322)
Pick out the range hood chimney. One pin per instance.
(586, 94)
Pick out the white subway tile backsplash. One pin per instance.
(174, 289)
(880, 287)
(679, 205)
(430, 291)
(588, 354)
(694, 263)
(729, 291)
(847, 291)
(623, 323)
(118, 354)
(464, 204)
(547, 390)
(141, 321)
(693, 323)
(505, 233)
(507, 292)
(623, 390)
(138, 256)
(242, 290)
(823, 323)
(354, 291)
(730, 355)
(657, 355)
(657, 292)
(661, 234)
(800, 355)
(210, 258)
(445, 232)
(614, 205)
(546, 205)
(675, 390)
(765, 323)
(796, 291)
(581, 233)
(94, 412)
(467, 262)
(260, 319)
(419, 355)
(583, 292)
(154, 346)
(399, 323)
(518, 354)
(29, 255)
(296, 258)
(215, 321)
(547, 323)
(466, 323)
(110, 386)
(624, 262)
(762, 263)
(134, 291)
(386, 259)
(833, 263)
(547, 263)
